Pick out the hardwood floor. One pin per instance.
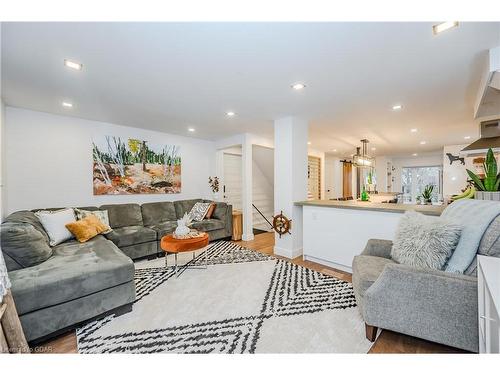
(387, 341)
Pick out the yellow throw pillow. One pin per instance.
(87, 228)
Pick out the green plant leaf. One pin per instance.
(497, 184)
(490, 166)
(477, 181)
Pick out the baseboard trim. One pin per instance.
(287, 253)
(324, 262)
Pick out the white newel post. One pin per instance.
(246, 191)
(290, 180)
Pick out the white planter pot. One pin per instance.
(488, 195)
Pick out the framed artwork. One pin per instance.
(133, 166)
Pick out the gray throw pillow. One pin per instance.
(425, 242)
(24, 244)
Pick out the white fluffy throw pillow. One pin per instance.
(424, 241)
(54, 223)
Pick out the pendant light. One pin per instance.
(361, 159)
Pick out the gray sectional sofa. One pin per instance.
(58, 287)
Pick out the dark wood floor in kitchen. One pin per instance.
(387, 341)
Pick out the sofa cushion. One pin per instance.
(208, 225)
(131, 235)
(165, 228)
(75, 270)
(220, 211)
(54, 223)
(24, 245)
(27, 217)
(158, 212)
(184, 206)
(365, 270)
(489, 245)
(123, 215)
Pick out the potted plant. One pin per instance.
(370, 186)
(487, 188)
(427, 194)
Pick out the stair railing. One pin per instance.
(261, 214)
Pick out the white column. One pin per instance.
(290, 180)
(247, 187)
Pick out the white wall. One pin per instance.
(381, 173)
(454, 175)
(49, 161)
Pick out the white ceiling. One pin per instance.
(172, 76)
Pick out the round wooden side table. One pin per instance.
(170, 245)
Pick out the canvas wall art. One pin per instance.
(133, 166)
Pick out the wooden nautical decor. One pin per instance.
(281, 224)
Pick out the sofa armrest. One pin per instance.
(433, 305)
(378, 248)
(224, 212)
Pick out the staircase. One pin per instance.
(263, 187)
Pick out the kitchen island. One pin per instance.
(336, 231)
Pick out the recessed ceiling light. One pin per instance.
(397, 107)
(73, 64)
(467, 137)
(415, 154)
(67, 104)
(192, 130)
(308, 143)
(230, 113)
(439, 28)
(334, 150)
(414, 130)
(423, 142)
(298, 86)
(374, 148)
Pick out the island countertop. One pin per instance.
(433, 210)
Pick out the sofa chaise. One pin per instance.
(56, 288)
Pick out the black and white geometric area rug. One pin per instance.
(244, 302)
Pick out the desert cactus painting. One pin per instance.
(133, 166)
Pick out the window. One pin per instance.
(415, 179)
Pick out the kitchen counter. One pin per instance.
(433, 210)
(334, 232)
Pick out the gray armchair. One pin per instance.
(434, 305)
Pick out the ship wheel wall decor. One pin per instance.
(281, 224)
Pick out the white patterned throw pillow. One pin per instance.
(101, 215)
(54, 223)
(199, 211)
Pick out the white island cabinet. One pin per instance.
(336, 231)
(488, 283)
